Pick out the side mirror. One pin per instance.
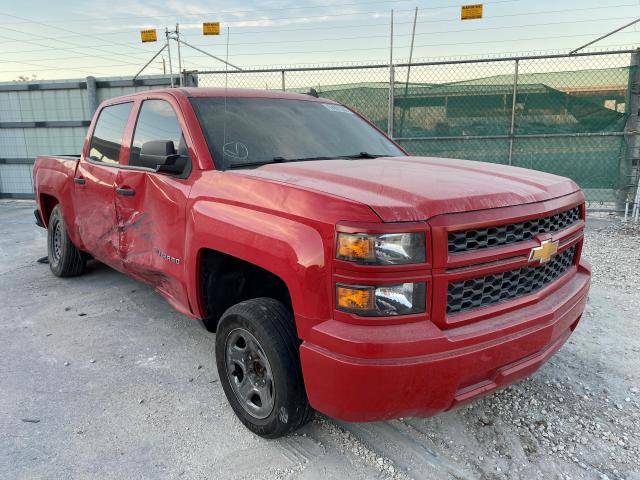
(161, 156)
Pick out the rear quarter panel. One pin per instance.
(53, 176)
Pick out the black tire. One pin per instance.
(65, 260)
(270, 323)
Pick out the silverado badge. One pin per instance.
(545, 251)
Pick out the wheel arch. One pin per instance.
(225, 280)
(47, 203)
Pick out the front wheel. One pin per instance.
(65, 260)
(259, 367)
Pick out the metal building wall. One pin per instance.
(51, 118)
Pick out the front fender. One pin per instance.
(293, 251)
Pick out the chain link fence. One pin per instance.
(572, 115)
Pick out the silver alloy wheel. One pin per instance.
(56, 247)
(249, 373)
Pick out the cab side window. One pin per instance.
(157, 121)
(107, 136)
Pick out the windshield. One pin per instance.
(267, 130)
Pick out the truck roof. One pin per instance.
(229, 92)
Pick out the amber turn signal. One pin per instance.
(355, 299)
(381, 300)
(356, 247)
(381, 248)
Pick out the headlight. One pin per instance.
(382, 300)
(382, 249)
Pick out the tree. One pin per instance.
(26, 78)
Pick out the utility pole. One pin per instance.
(406, 85)
(179, 57)
(392, 82)
(166, 34)
(151, 36)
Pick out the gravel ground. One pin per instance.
(100, 378)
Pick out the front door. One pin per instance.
(151, 208)
(95, 219)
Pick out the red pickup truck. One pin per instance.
(340, 273)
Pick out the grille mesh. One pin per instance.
(469, 240)
(483, 291)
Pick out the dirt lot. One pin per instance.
(100, 378)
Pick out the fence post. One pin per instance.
(392, 83)
(625, 174)
(92, 96)
(283, 84)
(191, 79)
(513, 109)
(392, 94)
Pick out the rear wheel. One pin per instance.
(65, 260)
(259, 367)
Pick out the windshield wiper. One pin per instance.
(278, 160)
(364, 155)
(249, 164)
(332, 157)
(303, 159)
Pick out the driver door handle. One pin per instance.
(125, 191)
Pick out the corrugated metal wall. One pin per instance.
(51, 118)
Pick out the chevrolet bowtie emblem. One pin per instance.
(545, 251)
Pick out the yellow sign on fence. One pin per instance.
(471, 12)
(211, 28)
(148, 36)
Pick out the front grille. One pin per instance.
(479, 292)
(469, 240)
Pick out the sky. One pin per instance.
(49, 39)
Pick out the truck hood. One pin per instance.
(401, 189)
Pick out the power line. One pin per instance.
(260, 31)
(418, 46)
(440, 20)
(110, 54)
(84, 69)
(261, 19)
(384, 63)
(48, 47)
(436, 32)
(268, 29)
(358, 37)
(238, 12)
(78, 48)
(75, 46)
(65, 30)
(332, 50)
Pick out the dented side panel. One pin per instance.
(151, 226)
(95, 218)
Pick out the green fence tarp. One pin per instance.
(586, 102)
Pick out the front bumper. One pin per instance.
(366, 373)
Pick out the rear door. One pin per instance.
(95, 219)
(151, 205)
